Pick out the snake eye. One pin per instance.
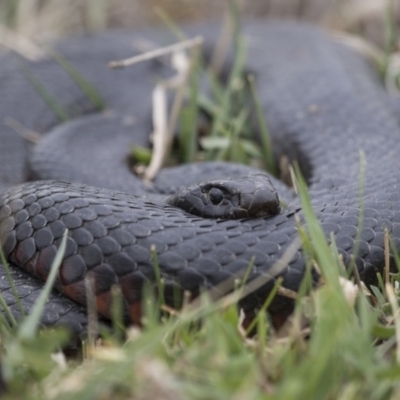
(216, 195)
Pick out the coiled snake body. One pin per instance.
(323, 104)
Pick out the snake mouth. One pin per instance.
(266, 212)
(261, 204)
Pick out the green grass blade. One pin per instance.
(390, 31)
(235, 75)
(326, 261)
(188, 116)
(237, 153)
(265, 305)
(142, 155)
(51, 101)
(116, 312)
(207, 105)
(268, 156)
(7, 320)
(170, 23)
(12, 285)
(97, 14)
(29, 326)
(158, 277)
(361, 185)
(84, 85)
(9, 12)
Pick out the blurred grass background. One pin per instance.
(49, 19)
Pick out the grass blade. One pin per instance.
(46, 96)
(188, 115)
(87, 88)
(12, 285)
(324, 257)
(268, 156)
(29, 326)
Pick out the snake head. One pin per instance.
(249, 196)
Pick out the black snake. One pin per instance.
(323, 103)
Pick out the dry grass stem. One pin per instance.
(393, 73)
(162, 51)
(396, 316)
(21, 130)
(60, 360)
(353, 271)
(387, 257)
(160, 132)
(164, 126)
(222, 46)
(93, 324)
(291, 294)
(145, 45)
(350, 290)
(169, 310)
(290, 335)
(362, 46)
(226, 286)
(20, 44)
(293, 179)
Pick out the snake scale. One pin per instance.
(323, 103)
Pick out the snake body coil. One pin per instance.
(323, 104)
